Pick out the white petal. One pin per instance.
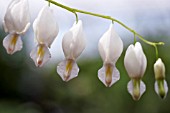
(131, 62)
(4, 26)
(67, 44)
(12, 43)
(141, 57)
(130, 88)
(110, 46)
(12, 3)
(17, 17)
(8, 23)
(25, 29)
(115, 76)
(40, 55)
(45, 26)
(135, 61)
(8, 20)
(67, 70)
(165, 88)
(142, 87)
(22, 20)
(73, 42)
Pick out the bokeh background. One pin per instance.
(25, 88)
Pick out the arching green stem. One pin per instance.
(48, 3)
(134, 38)
(76, 17)
(156, 51)
(73, 10)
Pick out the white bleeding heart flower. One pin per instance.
(16, 22)
(161, 86)
(73, 44)
(46, 30)
(135, 63)
(110, 48)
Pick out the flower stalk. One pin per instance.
(73, 10)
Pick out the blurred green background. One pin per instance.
(27, 89)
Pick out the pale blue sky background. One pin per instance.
(145, 16)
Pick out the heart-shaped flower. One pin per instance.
(46, 30)
(16, 22)
(73, 44)
(110, 48)
(135, 63)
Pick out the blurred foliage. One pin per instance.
(27, 89)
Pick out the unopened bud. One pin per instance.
(161, 86)
(159, 69)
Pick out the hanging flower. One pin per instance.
(46, 30)
(161, 86)
(73, 44)
(135, 63)
(16, 22)
(110, 48)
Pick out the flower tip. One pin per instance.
(161, 88)
(66, 78)
(162, 95)
(39, 63)
(67, 70)
(136, 88)
(136, 96)
(40, 55)
(108, 82)
(108, 75)
(10, 51)
(12, 43)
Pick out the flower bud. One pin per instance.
(159, 69)
(161, 86)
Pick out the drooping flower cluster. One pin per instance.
(45, 27)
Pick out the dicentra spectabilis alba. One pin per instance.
(110, 48)
(135, 63)
(45, 30)
(16, 22)
(73, 44)
(161, 86)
